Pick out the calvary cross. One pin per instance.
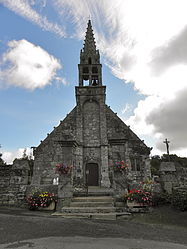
(167, 146)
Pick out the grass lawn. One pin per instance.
(164, 215)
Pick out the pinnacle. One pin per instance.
(89, 42)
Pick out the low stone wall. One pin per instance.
(14, 180)
(5, 171)
(172, 175)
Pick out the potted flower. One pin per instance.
(120, 166)
(44, 200)
(138, 197)
(63, 169)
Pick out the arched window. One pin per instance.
(94, 70)
(89, 61)
(85, 70)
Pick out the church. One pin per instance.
(94, 148)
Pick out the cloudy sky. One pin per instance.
(143, 46)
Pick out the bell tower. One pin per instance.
(90, 69)
(92, 153)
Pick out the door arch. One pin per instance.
(92, 174)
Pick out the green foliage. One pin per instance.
(155, 165)
(179, 200)
(174, 158)
(156, 161)
(160, 199)
(1, 160)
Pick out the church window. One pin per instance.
(85, 70)
(85, 81)
(89, 61)
(135, 164)
(95, 81)
(85, 77)
(94, 70)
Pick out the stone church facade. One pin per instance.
(92, 139)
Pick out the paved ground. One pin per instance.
(26, 229)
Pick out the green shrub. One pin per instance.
(179, 200)
(161, 199)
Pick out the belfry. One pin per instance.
(101, 151)
(90, 68)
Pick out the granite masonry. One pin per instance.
(92, 139)
(14, 180)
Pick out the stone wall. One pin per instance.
(14, 180)
(91, 134)
(58, 147)
(91, 124)
(4, 183)
(172, 175)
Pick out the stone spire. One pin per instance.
(89, 42)
(90, 67)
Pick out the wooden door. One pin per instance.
(92, 174)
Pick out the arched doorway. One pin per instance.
(92, 174)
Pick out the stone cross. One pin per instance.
(167, 147)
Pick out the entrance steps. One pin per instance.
(91, 204)
(95, 207)
(94, 191)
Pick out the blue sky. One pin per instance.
(144, 65)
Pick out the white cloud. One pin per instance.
(24, 9)
(126, 108)
(144, 42)
(9, 156)
(170, 54)
(29, 66)
(170, 119)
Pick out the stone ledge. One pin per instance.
(102, 216)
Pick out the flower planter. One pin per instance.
(51, 207)
(134, 204)
(42, 201)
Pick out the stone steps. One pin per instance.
(103, 216)
(93, 199)
(95, 202)
(96, 209)
(94, 191)
(91, 204)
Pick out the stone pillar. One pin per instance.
(79, 174)
(36, 172)
(65, 191)
(105, 182)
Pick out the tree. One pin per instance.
(155, 164)
(24, 156)
(156, 161)
(2, 162)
